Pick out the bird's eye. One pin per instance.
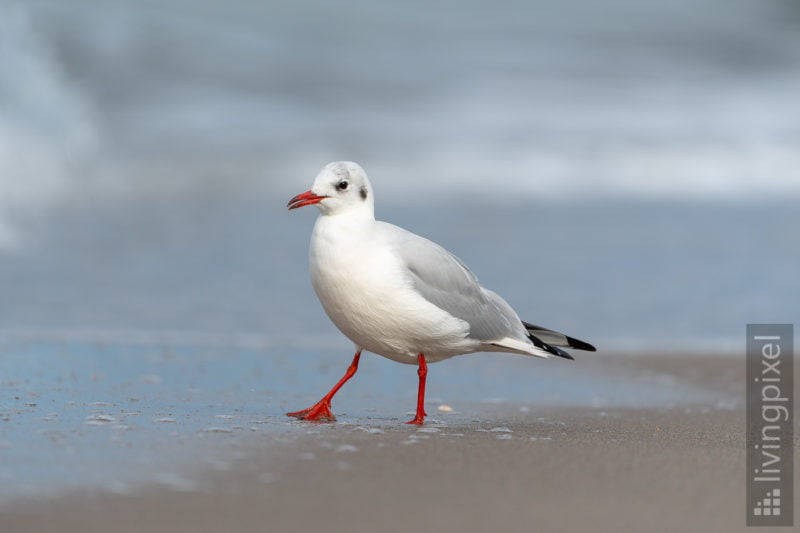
(342, 185)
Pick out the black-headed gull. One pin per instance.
(399, 295)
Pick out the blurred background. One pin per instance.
(627, 172)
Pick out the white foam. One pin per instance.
(46, 129)
(560, 115)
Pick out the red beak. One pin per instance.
(303, 199)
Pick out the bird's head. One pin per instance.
(340, 187)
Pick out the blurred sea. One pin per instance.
(627, 172)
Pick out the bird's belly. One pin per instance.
(383, 315)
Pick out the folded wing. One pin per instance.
(442, 279)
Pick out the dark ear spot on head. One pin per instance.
(363, 193)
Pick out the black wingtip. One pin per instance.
(558, 352)
(580, 345)
(565, 355)
(571, 341)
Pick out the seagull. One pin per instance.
(399, 295)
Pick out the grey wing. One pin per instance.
(442, 279)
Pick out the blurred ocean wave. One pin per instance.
(46, 131)
(680, 98)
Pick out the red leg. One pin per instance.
(322, 409)
(422, 373)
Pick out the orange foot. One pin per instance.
(419, 419)
(320, 412)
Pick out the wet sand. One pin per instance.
(552, 470)
(501, 467)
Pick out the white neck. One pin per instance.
(363, 211)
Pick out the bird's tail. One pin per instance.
(549, 341)
(508, 344)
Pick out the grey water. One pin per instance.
(118, 101)
(644, 276)
(625, 172)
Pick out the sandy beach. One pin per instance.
(485, 467)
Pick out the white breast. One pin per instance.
(363, 289)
